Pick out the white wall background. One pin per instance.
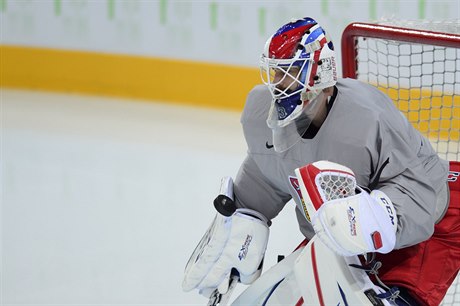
(225, 31)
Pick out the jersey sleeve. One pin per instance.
(252, 190)
(411, 179)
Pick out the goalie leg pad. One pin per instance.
(238, 242)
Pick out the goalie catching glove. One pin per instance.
(235, 242)
(345, 217)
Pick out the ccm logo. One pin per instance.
(389, 210)
(453, 176)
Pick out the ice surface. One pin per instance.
(103, 200)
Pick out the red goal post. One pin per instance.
(418, 68)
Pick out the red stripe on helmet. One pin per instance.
(284, 45)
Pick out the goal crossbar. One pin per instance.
(369, 30)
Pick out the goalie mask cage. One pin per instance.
(417, 64)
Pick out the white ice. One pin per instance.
(103, 200)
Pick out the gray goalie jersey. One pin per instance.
(362, 131)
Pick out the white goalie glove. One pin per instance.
(235, 242)
(345, 217)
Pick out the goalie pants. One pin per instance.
(428, 269)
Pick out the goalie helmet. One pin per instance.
(298, 62)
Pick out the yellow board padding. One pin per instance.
(186, 82)
(435, 114)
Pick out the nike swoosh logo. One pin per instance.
(268, 146)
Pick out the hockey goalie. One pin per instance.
(375, 202)
(233, 248)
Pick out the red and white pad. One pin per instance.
(349, 223)
(313, 275)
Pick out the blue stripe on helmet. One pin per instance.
(293, 25)
(303, 73)
(314, 35)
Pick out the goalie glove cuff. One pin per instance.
(381, 230)
(384, 201)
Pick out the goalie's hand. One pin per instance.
(345, 217)
(236, 242)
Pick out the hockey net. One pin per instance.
(417, 64)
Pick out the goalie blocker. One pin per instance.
(235, 241)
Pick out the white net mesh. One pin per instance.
(424, 82)
(335, 185)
